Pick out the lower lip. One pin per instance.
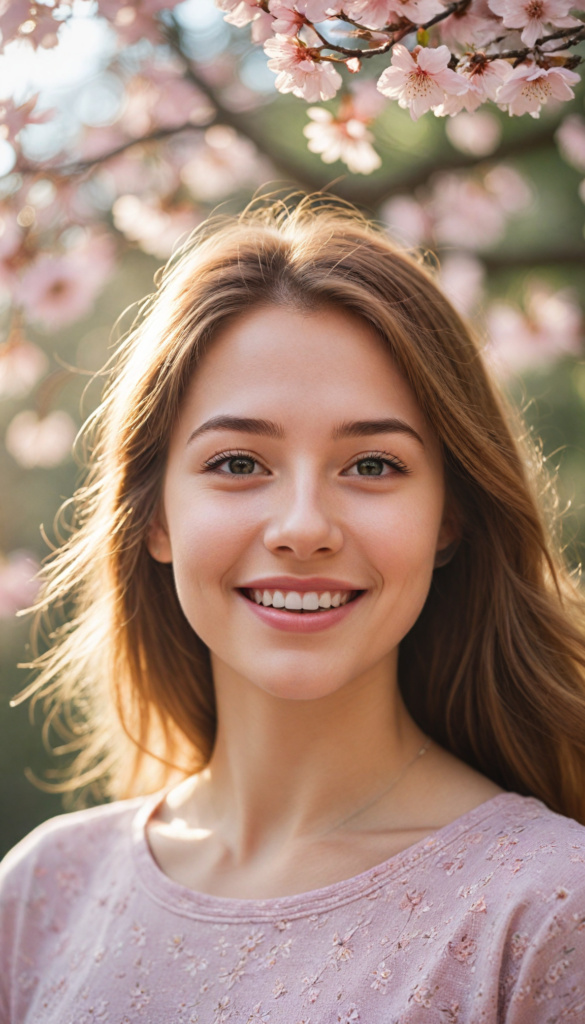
(302, 622)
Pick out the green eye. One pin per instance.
(370, 467)
(241, 465)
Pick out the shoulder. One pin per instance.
(525, 834)
(533, 889)
(68, 841)
(520, 846)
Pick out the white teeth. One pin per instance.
(295, 602)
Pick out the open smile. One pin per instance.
(295, 601)
(302, 610)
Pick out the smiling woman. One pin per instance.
(317, 603)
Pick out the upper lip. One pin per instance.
(302, 585)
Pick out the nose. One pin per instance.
(302, 523)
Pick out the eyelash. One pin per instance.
(220, 458)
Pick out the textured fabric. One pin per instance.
(483, 922)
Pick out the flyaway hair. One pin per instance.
(494, 668)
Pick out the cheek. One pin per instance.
(209, 535)
(399, 538)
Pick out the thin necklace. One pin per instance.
(379, 796)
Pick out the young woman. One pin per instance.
(317, 604)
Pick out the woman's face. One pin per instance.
(301, 474)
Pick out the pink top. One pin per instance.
(483, 922)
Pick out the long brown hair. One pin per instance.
(494, 668)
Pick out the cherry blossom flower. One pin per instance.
(45, 31)
(13, 119)
(462, 279)
(367, 102)
(18, 586)
(98, 141)
(157, 230)
(60, 289)
(238, 12)
(465, 213)
(571, 141)
(13, 14)
(478, 134)
(319, 10)
(407, 220)
(244, 12)
(484, 77)
(11, 235)
(550, 328)
(533, 16)
(288, 21)
(262, 27)
(420, 80)
(40, 441)
(510, 187)
(379, 13)
(299, 72)
(159, 96)
(224, 162)
(348, 141)
(22, 364)
(135, 21)
(179, 103)
(473, 25)
(529, 87)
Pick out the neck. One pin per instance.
(284, 769)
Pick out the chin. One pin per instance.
(296, 678)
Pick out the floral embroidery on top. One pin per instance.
(484, 921)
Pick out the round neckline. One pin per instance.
(225, 909)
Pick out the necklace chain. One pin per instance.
(386, 790)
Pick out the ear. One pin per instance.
(449, 538)
(158, 542)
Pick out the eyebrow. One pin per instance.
(267, 428)
(364, 428)
(240, 424)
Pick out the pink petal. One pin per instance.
(401, 58)
(560, 89)
(451, 82)
(433, 60)
(533, 31)
(391, 81)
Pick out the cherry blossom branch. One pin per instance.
(81, 166)
(240, 123)
(561, 34)
(397, 32)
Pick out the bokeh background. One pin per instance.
(147, 120)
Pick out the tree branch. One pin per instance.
(371, 196)
(574, 257)
(397, 33)
(81, 166)
(242, 124)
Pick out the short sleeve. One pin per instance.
(544, 979)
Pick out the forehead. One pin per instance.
(285, 364)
